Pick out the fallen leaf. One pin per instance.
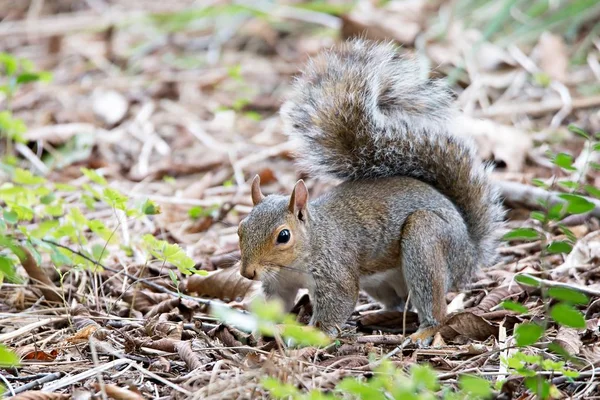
(496, 296)
(400, 21)
(225, 284)
(553, 56)
(389, 320)
(568, 339)
(468, 325)
(503, 144)
(584, 251)
(109, 106)
(30, 352)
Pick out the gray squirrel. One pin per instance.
(415, 212)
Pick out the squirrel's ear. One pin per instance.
(257, 195)
(299, 200)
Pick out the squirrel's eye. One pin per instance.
(284, 236)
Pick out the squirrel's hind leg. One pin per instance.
(424, 248)
(387, 288)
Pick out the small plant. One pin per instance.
(564, 311)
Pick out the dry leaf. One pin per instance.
(584, 251)
(110, 106)
(184, 349)
(553, 55)
(568, 339)
(501, 143)
(30, 352)
(468, 325)
(389, 319)
(400, 21)
(496, 296)
(224, 284)
(83, 335)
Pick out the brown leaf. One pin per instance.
(184, 349)
(163, 307)
(554, 58)
(83, 335)
(389, 319)
(568, 339)
(468, 325)
(495, 297)
(30, 352)
(118, 393)
(224, 284)
(39, 395)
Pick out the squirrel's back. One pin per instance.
(361, 111)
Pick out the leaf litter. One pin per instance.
(185, 116)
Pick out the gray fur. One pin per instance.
(361, 111)
(415, 212)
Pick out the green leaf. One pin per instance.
(10, 63)
(565, 161)
(578, 131)
(195, 212)
(539, 216)
(568, 295)
(7, 357)
(569, 184)
(475, 386)
(528, 333)
(522, 234)
(94, 176)
(568, 316)
(10, 217)
(27, 77)
(48, 199)
(7, 268)
(539, 386)
(362, 390)
(514, 306)
(25, 177)
(115, 199)
(555, 212)
(424, 376)
(540, 183)
(527, 280)
(559, 247)
(278, 389)
(568, 233)
(577, 204)
(150, 208)
(592, 191)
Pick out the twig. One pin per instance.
(519, 194)
(39, 382)
(28, 328)
(582, 289)
(536, 108)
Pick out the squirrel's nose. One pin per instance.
(247, 272)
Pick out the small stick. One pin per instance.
(38, 382)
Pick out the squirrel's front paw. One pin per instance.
(423, 337)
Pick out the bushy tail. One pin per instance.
(361, 111)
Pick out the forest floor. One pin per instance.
(155, 121)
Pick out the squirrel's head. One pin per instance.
(274, 235)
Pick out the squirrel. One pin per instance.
(415, 211)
